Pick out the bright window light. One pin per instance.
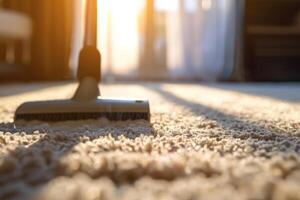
(191, 5)
(167, 5)
(206, 4)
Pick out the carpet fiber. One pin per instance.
(204, 142)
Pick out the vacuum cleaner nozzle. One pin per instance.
(66, 110)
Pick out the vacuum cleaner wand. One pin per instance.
(86, 103)
(90, 58)
(91, 21)
(89, 66)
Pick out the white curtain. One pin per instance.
(202, 39)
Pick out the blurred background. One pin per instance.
(158, 40)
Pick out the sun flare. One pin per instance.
(118, 30)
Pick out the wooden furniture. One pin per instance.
(16, 28)
(272, 40)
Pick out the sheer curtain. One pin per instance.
(201, 38)
(181, 39)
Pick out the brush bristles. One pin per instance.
(56, 117)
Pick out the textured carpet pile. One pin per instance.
(203, 142)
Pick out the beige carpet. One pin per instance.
(204, 142)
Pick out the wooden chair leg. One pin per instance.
(10, 52)
(26, 52)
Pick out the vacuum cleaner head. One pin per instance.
(69, 110)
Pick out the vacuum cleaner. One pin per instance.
(87, 102)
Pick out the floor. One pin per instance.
(205, 141)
